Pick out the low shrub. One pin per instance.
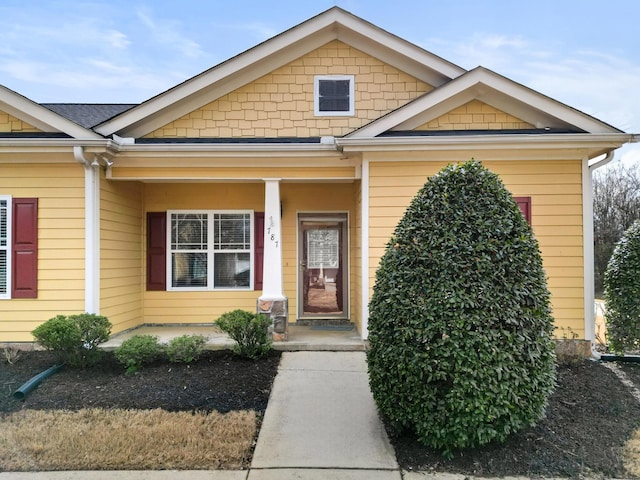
(74, 338)
(248, 330)
(186, 348)
(622, 293)
(137, 351)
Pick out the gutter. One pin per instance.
(601, 163)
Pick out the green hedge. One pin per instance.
(460, 328)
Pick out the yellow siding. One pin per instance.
(554, 188)
(475, 115)
(60, 191)
(280, 104)
(356, 264)
(121, 242)
(205, 307)
(9, 123)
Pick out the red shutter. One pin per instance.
(156, 250)
(524, 203)
(24, 250)
(258, 249)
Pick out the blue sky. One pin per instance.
(585, 53)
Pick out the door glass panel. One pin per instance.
(322, 274)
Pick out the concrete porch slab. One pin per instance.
(301, 338)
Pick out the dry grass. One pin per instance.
(97, 439)
(631, 455)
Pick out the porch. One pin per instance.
(309, 338)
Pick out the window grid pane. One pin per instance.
(219, 261)
(232, 231)
(189, 231)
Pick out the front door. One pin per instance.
(323, 276)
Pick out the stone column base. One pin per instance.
(278, 312)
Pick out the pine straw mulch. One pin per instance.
(166, 416)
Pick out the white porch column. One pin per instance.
(272, 301)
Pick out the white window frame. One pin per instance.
(316, 96)
(210, 251)
(7, 295)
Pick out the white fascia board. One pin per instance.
(180, 106)
(317, 30)
(397, 52)
(273, 53)
(40, 117)
(469, 142)
(491, 88)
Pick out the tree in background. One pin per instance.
(616, 205)
(622, 292)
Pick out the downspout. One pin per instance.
(92, 231)
(589, 282)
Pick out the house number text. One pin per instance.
(273, 237)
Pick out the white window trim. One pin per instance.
(210, 252)
(316, 95)
(8, 198)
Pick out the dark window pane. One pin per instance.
(333, 95)
(189, 269)
(231, 270)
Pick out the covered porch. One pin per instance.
(300, 338)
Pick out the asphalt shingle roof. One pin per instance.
(88, 115)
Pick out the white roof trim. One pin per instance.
(40, 117)
(332, 24)
(493, 89)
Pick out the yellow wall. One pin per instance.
(475, 115)
(280, 104)
(205, 307)
(556, 206)
(9, 123)
(121, 251)
(60, 192)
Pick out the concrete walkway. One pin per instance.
(322, 422)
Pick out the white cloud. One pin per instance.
(117, 39)
(258, 30)
(167, 33)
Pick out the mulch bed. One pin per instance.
(218, 381)
(590, 415)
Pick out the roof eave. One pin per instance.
(592, 142)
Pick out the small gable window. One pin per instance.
(334, 95)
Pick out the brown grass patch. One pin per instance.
(631, 454)
(98, 439)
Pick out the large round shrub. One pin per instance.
(461, 349)
(622, 292)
